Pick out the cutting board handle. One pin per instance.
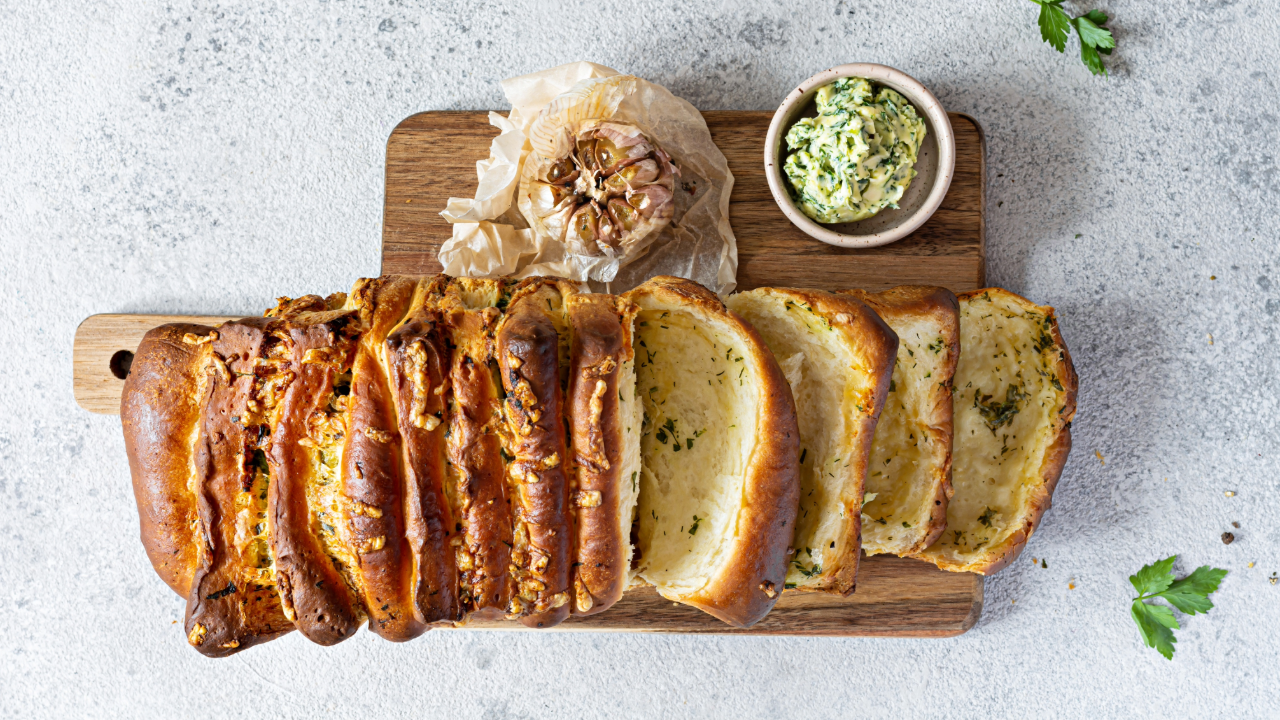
(103, 351)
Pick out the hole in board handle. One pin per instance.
(120, 363)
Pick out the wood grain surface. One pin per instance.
(432, 157)
(895, 597)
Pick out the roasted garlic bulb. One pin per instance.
(610, 189)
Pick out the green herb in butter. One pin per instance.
(857, 156)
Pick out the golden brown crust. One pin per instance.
(999, 556)
(160, 414)
(478, 493)
(745, 587)
(528, 349)
(876, 345)
(314, 592)
(418, 360)
(600, 329)
(904, 303)
(373, 484)
(232, 604)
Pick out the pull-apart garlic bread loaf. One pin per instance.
(1014, 400)
(838, 357)
(909, 482)
(718, 487)
(415, 454)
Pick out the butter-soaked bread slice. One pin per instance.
(1014, 400)
(909, 482)
(837, 355)
(720, 447)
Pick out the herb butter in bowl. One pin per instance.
(860, 155)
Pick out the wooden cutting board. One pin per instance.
(431, 156)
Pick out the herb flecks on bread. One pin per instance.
(909, 479)
(720, 446)
(837, 355)
(1014, 399)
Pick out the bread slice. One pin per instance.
(719, 485)
(529, 339)
(1014, 400)
(377, 505)
(308, 349)
(604, 429)
(909, 482)
(160, 411)
(418, 364)
(838, 357)
(200, 501)
(476, 485)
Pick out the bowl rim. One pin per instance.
(920, 97)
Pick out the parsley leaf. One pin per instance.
(1154, 623)
(1055, 26)
(1189, 595)
(1095, 40)
(1092, 35)
(1154, 578)
(1092, 60)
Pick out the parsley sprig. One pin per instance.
(1190, 595)
(1095, 40)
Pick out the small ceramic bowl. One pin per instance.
(935, 163)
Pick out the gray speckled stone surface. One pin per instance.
(205, 158)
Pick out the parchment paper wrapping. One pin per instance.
(492, 238)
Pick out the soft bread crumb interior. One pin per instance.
(631, 412)
(1001, 435)
(700, 407)
(477, 293)
(828, 383)
(902, 476)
